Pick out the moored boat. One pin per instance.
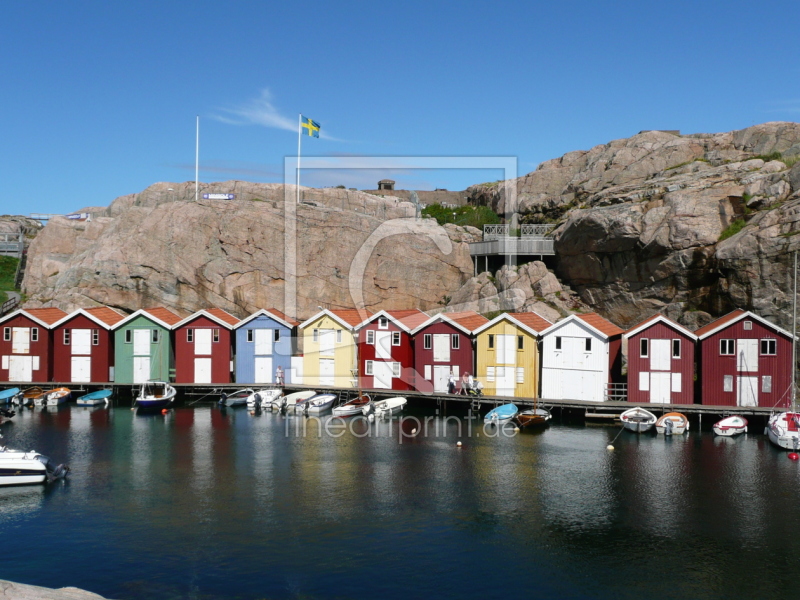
(8, 395)
(289, 401)
(58, 396)
(672, 423)
(38, 399)
(155, 394)
(263, 398)
(501, 415)
(30, 395)
(385, 408)
(237, 398)
(319, 404)
(730, 426)
(783, 430)
(638, 419)
(25, 468)
(352, 407)
(94, 398)
(533, 417)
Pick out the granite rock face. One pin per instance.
(160, 247)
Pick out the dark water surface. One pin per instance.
(203, 503)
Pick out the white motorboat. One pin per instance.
(672, 423)
(385, 408)
(730, 426)
(24, 468)
(319, 404)
(289, 402)
(352, 407)
(58, 396)
(783, 430)
(263, 398)
(237, 398)
(638, 419)
(155, 394)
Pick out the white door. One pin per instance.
(202, 370)
(263, 342)
(141, 367)
(21, 341)
(506, 381)
(81, 369)
(263, 369)
(81, 342)
(440, 376)
(141, 343)
(20, 368)
(506, 349)
(660, 385)
(202, 342)
(747, 355)
(383, 345)
(327, 338)
(659, 355)
(747, 390)
(382, 375)
(441, 347)
(326, 371)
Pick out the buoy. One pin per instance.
(132, 408)
(793, 455)
(414, 431)
(516, 428)
(371, 418)
(164, 411)
(458, 445)
(609, 447)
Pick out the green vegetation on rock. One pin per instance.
(8, 268)
(732, 229)
(474, 216)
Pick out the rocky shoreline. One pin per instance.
(10, 590)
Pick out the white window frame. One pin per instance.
(6, 334)
(215, 335)
(155, 336)
(747, 325)
(383, 323)
(368, 367)
(428, 372)
(771, 342)
(67, 336)
(395, 338)
(727, 342)
(644, 381)
(644, 348)
(395, 369)
(95, 337)
(489, 373)
(674, 342)
(427, 341)
(455, 341)
(315, 335)
(371, 337)
(338, 336)
(520, 374)
(766, 384)
(727, 383)
(189, 335)
(34, 334)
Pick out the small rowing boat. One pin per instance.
(58, 396)
(672, 423)
(501, 415)
(95, 398)
(638, 420)
(730, 426)
(532, 417)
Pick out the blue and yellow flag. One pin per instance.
(311, 127)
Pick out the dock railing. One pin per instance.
(615, 392)
(530, 239)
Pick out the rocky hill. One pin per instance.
(688, 225)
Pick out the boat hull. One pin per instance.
(58, 396)
(782, 430)
(154, 395)
(318, 407)
(95, 398)
(501, 415)
(638, 420)
(532, 418)
(730, 426)
(680, 424)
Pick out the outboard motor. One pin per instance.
(668, 427)
(223, 397)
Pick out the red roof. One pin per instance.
(223, 316)
(721, 321)
(163, 314)
(410, 318)
(653, 318)
(468, 319)
(106, 314)
(283, 317)
(532, 320)
(603, 325)
(352, 317)
(46, 315)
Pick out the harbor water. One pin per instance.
(210, 503)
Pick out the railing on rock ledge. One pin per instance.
(497, 240)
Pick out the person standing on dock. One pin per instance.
(465, 379)
(451, 383)
(279, 375)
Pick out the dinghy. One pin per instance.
(30, 395)
(730, 426)
(58, 396)
(638, 420)
(237, 398)
(672, 423)
(533, 416)
(352, 407)
(263, 398)
(319, 404)
(383, 409)
(501, 415)
(8, 395)
(288, 402)
(155, 394)
(95, 398)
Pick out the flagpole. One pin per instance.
(197, 159)
(299, 138)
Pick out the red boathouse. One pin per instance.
(83, 345)
(744, 360)
(203, 347)
(26, 347)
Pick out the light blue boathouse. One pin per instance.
(264, 347)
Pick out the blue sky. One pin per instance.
(99, 99)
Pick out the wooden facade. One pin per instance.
(661, 362)
(386, 350)
(329, 348)
(83, 346)
(444, 344)
(581, 356)
(507, 354)
(204, 347)
(265, 344)
(143, 346)
(744, 360)
(26, 345)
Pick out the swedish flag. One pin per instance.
(311, 127)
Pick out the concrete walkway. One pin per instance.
(20, 591)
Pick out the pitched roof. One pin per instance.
(283, 317)
(654, 319)
(46, 315)
(106, 314)
(223, 315)
(602, 325)
(163, 314)
(468, 319)
(532, 320)
(351, 316)
(405, 319)
(719, 322)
